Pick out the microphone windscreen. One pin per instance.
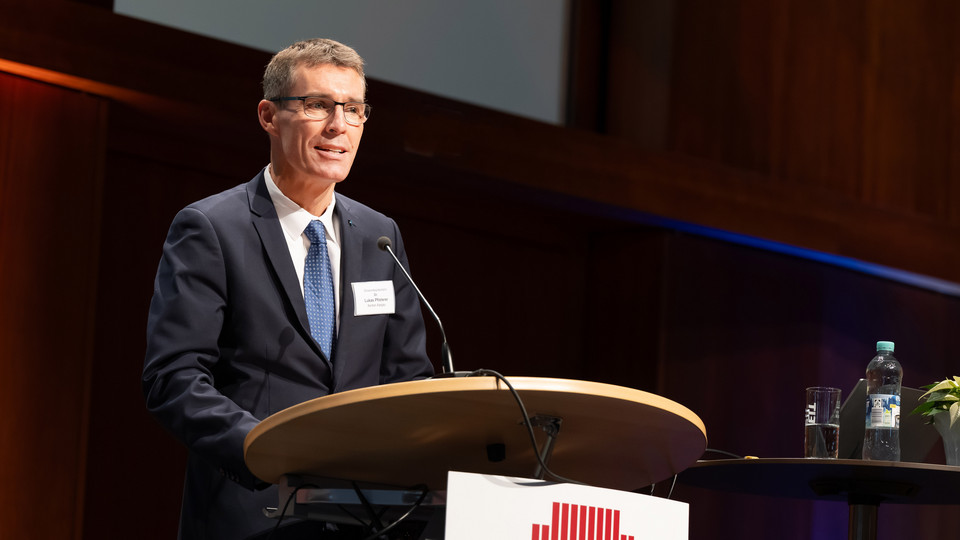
(383, 243)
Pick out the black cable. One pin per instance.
(423, 495)
(721, 452)
(347, 511)
(374, 518)
(526, 421)
(283, 513)
(672, 485)
(653, 488)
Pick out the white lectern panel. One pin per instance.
(481, 507)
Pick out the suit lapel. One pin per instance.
(267, 225)
(351, 254)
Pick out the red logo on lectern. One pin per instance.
(580, 522)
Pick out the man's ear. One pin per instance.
(267, 111)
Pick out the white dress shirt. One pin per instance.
(293, 220)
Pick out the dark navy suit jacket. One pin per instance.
(228, 342)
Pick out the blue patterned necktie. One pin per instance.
(318, 288)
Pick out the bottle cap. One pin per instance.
(885, 346)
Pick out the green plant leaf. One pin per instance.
(924, 408)
(942, 385)
(940, 397)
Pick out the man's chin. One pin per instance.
(331, 174)
(316, 180)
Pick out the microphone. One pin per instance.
(385, 245)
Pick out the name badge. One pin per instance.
(373, 298)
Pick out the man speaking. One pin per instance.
(255, 303)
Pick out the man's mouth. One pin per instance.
(331, 150)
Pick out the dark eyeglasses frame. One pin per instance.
(367, 109)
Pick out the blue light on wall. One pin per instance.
(902, 276)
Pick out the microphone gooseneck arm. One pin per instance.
(384, 244)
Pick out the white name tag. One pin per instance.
(373, 298)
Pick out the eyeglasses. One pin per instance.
(319, 108)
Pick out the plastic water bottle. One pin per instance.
(881, 436)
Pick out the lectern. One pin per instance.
(413, 433)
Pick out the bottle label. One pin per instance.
(883, 411)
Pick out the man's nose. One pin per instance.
(337, 121)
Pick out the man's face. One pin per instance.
(311, 150)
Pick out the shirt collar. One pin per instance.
(293, 217)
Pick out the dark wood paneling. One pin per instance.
(854, 99)
(624, 321)
(732, 87)
(468, 141)
(532, 241)
(818, 113)
(640, 58)
(124, 55)
(588, 65)
(745, 331)
(50, 160)
(128, 450)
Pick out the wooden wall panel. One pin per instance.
(819, 72)
(844, 111)
(745, 331)
(640, 58)
(624, 323)
(51, 147)
(135, 467)
(721, 97)
(913, 65)
(851, 98)
(588, 69)
(533, 242)
(712, 79)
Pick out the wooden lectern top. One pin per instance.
(410, 433)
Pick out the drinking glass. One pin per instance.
(822, 423)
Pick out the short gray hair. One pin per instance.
(279, 75)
